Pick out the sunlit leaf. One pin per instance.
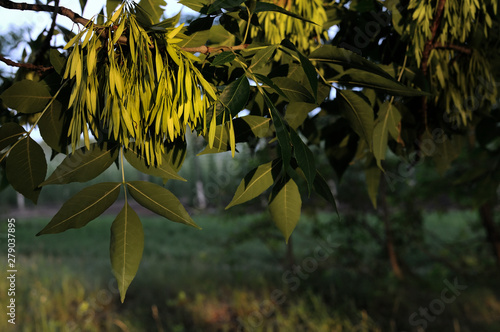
(262, 57)
(160, 201)
(26, 168)
(84, 207)
(83, 165)
(285, 208)
(154, 8)
(253, 184)
(126, 247)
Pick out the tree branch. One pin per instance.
(207, 49)
(24, 65)
(45, 8)
(458, 48)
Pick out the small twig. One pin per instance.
(24, 65)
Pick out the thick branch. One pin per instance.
(24, 65)
(45, 8)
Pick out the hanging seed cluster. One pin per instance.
(276, 26)
(131, 85)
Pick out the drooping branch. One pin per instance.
(24, 65)
(45, 8)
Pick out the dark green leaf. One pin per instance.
(235, 95)
(296, 113)
(387, 122)
(357, 77)
(267, 81)
(160, 201)
(219, 4)
(83, 165)
(304, 157)
(285, 208)
(26, 168)
(57, 60)
(26, 96)
(307, 66)
(9, 134)
(154, 8)
(84, 207)
(126, 247)
(223, 58)
(111, 6)
(281, 132)
(323, 189)
(293, 90)
(359, 114)
(53, 127)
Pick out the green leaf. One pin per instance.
(335, 55)
(175, 153)
(83, 165)
(10, 133)
(235, 95)
(195, 39)
(83, 3)
(359, 114)
(223, 58)
(258, 125)
(111, 6)
(387, 122)
(26, 96)
(253, 184)
(372, 183)
(153, 8)
(196, 5)
(323, 189)
(165, 170)
(221, 141)
(84, 207)
(262, 57)
(281, 132)
(362, 78)
(126, 247)
(26, 168)
(296, 113)
(307, 66)
(160, 201)
(305, 158)
(53, 127)
(293, 90)
(219, 4)
(57, 60)
(270, 7)
(285, 208)
(267, 81)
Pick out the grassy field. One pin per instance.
(237, 275)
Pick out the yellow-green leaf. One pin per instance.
(285, 208)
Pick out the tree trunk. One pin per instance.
(493, 236)
(389, 241)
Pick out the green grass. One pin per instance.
(224, 276)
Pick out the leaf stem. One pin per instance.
(123, 174)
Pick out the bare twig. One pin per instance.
(458, 48)
(24, 65)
